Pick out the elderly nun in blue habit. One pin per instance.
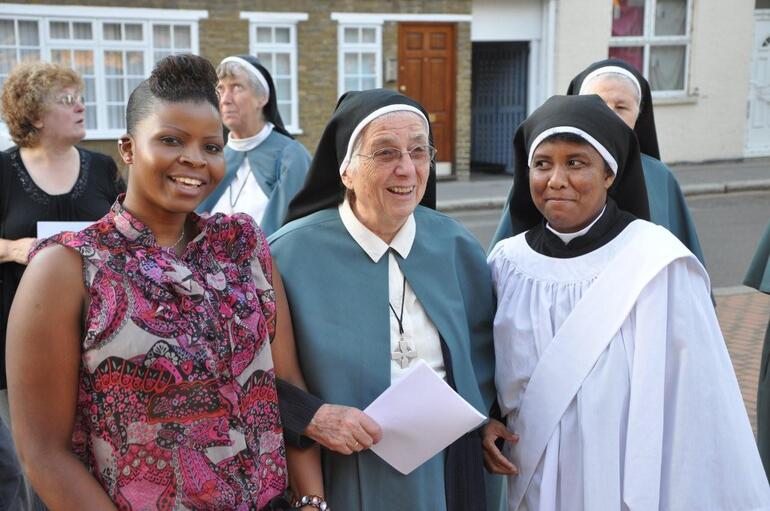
(266, 167)
(628, 94)
(377, 279)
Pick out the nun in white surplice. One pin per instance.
(610, 365)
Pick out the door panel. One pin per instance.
(758, 129)
(426, 56)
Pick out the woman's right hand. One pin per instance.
(16, 251)
(494, 460)
(343, 429)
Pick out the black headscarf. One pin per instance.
(323, 185)
(590, 115)
(270, 110)
(645, 124)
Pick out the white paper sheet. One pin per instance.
(420, 415)
(48, 229)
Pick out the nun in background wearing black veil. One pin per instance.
(628, 94)
(376, 280)
(610, 365)
(266, 167)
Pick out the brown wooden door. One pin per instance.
(426, 73)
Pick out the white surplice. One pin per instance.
(657, 420)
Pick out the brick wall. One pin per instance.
(223, 34)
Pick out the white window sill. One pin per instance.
(678, 99)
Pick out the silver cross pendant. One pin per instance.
(404, 353)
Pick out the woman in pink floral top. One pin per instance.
(140, 367)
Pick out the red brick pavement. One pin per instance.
(743, 318)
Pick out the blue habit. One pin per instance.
(339, 303)
(279, 164)
(667, 207)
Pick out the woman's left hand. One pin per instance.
(494, 460)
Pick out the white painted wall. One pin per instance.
(506, 20)
(709, 123)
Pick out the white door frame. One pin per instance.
(760, 15)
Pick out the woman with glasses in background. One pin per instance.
(44, 178)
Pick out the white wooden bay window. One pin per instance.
(112, 48)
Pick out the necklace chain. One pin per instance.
(176, 244)
(400, 319)
(240, 191)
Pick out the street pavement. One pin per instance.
(743, 318)
(718, 194)
(484, 191)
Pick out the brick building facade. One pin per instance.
(315, 49)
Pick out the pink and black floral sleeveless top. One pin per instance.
(177, 406)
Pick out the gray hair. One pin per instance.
(616, 76)
(236, 70)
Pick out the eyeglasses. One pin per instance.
(390, 155)
(69, 100)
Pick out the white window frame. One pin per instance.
(279, 20)
(649, 39)
(359, 48)
(97, 16)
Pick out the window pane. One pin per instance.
(135, 62)
(90, 91)
(667, 67)
(351, 84)
(367, 83)
(285, 109)
(282, 64)
(182, 37)
(634, 55)
(134, 32)
(59, 29)
(61, 57)
(266, 59)
(368, 35)
(351, 64)
(670, 17)
(82, 31)
(351, 35)
(264, 35)
(282, 35)
(283, 88)
(116, 117)
(114, 89)
(28, 33)
(7, 33)
(161, 36)
(159, 55)
(112, 31)
(91, 117)
(30, 55)
(7, 61)
(627, 17)
(84, 62)
(113, 63)
(367, 64)
(133, 83)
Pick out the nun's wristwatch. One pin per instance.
(312, 500)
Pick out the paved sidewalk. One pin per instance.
(743, 318)
(487, 191)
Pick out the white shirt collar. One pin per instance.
(566, 237)
(249, 143)
(372, 244)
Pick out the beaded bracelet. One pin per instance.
(312, 500)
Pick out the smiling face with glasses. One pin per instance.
(387, 177)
